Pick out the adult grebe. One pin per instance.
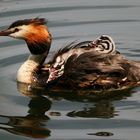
(89, 64)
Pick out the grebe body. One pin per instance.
(88, 64)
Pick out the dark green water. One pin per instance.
(59, 117)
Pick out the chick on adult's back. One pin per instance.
(88, 64)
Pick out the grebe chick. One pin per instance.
(102, 45)
(89, 64)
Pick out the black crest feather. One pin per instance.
(39, 21)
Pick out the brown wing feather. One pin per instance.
(100, 72)
(90, 71)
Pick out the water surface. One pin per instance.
(71, 117)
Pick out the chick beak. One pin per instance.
(5, 32)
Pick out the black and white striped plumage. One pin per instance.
(105, 44)
(102, 45)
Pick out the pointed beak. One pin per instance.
(5, 32)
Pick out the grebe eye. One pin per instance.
(16, 30)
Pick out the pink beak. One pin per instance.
(5, 32)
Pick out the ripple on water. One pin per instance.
(61, 8)
(69, 117)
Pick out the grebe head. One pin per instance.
(33, 31)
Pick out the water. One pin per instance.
(69, 117)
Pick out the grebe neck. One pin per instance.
(39, 46)
(30, 67)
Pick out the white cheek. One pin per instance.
(23, 30)
(19, 34)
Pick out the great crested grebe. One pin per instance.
(89, 64)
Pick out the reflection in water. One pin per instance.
(102, 106)
(71, 94)
(101, 109)
(32, 125)
(105, 134)
(70, 20)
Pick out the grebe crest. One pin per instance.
(38, 39)
(33, 31)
